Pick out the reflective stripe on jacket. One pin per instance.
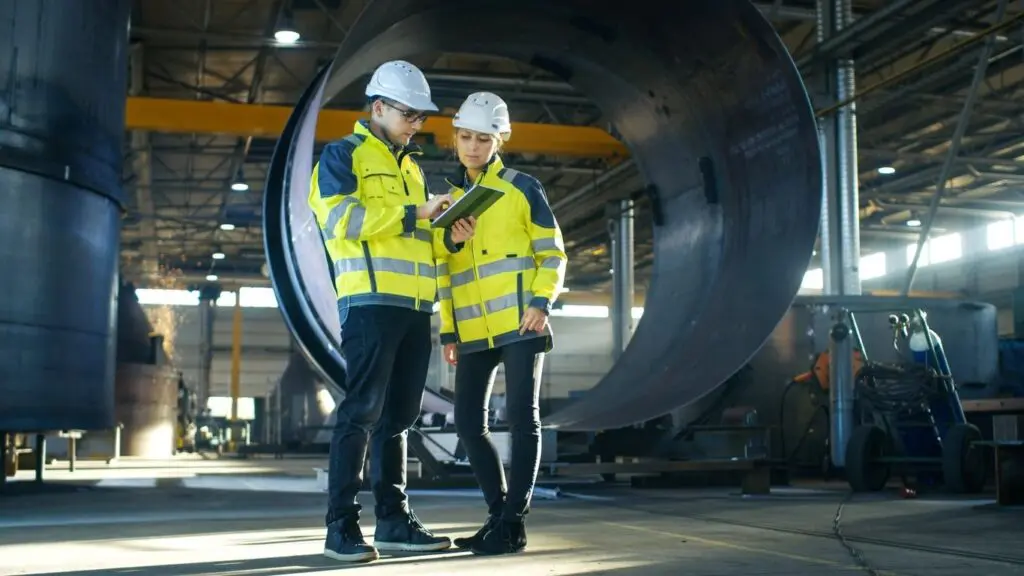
(515, 259)
(365, 198)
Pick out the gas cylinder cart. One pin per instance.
(908, 418)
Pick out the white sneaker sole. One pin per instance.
(364, 557)
(404, 547)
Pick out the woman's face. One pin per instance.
(475, 148)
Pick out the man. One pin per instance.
(371, 203)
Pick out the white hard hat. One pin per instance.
(484, 112)
(402, 82)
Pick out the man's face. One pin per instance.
(399, 122)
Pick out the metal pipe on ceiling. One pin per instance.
(959, 47)
(954, 149)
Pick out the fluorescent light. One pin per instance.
(913, 223)
(239, 186)
(287, 36)
(228, 227)
(218, 255)
(211, 277)
(886, 170)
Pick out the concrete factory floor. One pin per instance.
(264, 518)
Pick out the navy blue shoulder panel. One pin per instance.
(335, 175)
(540, 210)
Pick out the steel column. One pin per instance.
(207, 314)
(840, 231)
(621, 228)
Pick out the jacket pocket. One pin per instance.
(379, 183)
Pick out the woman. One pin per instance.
(496, 291)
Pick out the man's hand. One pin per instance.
(463, 230)
(534, 320)
(433, 207)
(451, 354)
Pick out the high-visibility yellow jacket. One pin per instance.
(365, 198)
(515, 259)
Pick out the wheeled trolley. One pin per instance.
(909, 418)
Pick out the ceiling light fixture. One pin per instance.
(239, 184)
(287, 36)
(227, 227)
(211, 277)
(286, 32)
(886, 170)
(218, 255)
(913, 223)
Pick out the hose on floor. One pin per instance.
(837, 530)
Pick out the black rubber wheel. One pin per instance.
(963, 463)
(867, 444)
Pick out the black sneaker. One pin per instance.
(345, 542)
(468, 542)
(405, 533)
(506, 538)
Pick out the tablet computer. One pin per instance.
(473, 203)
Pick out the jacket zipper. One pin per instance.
(405, 186)
(519, 293)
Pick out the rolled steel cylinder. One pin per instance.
(63, 68)
(715, 114)
(146, 404)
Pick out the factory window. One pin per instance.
(1001, 234)
(257, 297)
(220, 407)
(164, 297)
(1018, 229)
(912, 249)
(813, 280)
(872, 266)
(581, 311)
(945, 248)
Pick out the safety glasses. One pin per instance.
(412, 116)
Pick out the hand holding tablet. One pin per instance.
(476, 200)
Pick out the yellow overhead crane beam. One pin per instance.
(261, 121)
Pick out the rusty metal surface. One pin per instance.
(713, 110)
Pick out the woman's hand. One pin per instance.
(534, 320)
(463, 229)
(451, 354)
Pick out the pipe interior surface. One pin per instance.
(63, 68)
(705, 83)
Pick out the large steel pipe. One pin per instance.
(717, 119)
(63, 68)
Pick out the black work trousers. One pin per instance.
(387, 353)
(474, 379)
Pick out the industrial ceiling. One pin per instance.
(210, 82)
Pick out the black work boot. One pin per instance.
(507, 538)
(345, 542)
(468, 542)
(405, 533)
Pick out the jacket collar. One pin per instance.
(362, 128)
(458, 177)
